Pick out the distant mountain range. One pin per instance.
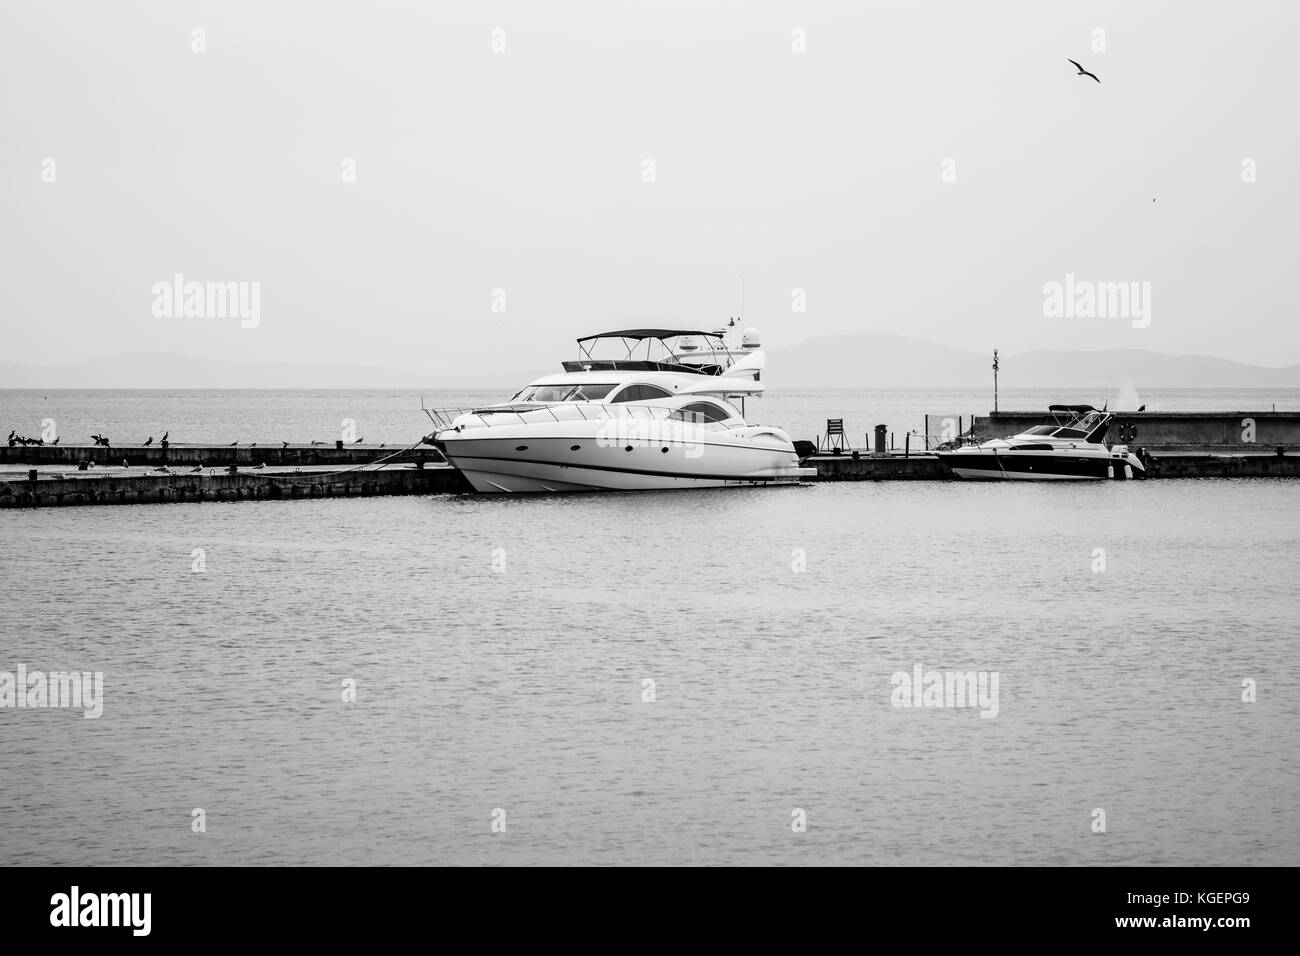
(882, 360)
(173, 370)
(862, 360)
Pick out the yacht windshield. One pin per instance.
(1041, 430)
(589, 392)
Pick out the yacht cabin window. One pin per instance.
(641, 393)
(701, 412)
(591, 392)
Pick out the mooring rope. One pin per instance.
(331, 475)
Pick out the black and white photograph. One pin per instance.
(835, 433)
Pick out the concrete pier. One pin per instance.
(1191, 465)
(270, 454)
(858, 465)
(29, 483)
(120, 487)
(863, 466)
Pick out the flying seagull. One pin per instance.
(1083, 72)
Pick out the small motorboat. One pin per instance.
(1073, 448)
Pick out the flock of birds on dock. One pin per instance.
(102, 441)
(16, 439)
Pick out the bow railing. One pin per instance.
(491, 416)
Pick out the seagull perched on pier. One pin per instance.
(55, 442)
(234, 444)
(259, 467)
(1083, 72)
(149, 442)
(1142, 409)
(284, 445)
(164, 438)
(197, 469)
(359, 440)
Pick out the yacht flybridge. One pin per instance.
(1073, 447)
(669, 350)
(638, 409)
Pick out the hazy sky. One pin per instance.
(525, 170)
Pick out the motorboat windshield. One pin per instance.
(1074, 422)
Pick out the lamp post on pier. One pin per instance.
(995, 381)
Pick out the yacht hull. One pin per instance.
(581, 460)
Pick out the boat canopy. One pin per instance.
(639, 334)
(653, 350)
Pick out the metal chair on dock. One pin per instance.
(834, 437)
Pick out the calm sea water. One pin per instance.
(221, 417)
(500, 650)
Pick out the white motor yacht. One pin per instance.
(1072, 448)
(665, 410)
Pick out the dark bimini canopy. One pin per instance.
(669, 361)
(644, 334)
(1075, 409)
